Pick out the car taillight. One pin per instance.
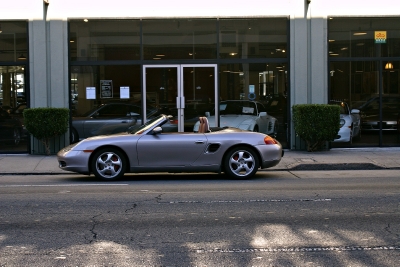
(268, 140)
(173, 121)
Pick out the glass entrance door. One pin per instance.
(183, 91)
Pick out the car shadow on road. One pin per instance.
(168, 177)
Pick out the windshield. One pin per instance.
(139, 129)
(237, 108)
(344, 109)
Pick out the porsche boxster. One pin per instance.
(235, 152)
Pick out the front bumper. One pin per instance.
(74, 161)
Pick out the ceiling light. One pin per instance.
(85, 20)
(389, 66)
(359, 33)
(22, 57)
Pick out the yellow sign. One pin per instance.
(380, 37)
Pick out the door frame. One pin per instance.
(180, 99)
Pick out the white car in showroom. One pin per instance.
(350, 123)
(243, 114)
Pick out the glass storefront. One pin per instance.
(364, 57)
(182, 67)
(13, 89)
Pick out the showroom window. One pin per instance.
(13, 88)
(179, 39)
(364, 62)
(253, 38)
(97, 40)
(108, 57)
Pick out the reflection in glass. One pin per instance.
(253, 38)
(13, 101)
(357, 83)
(269, 81)
(179, 39)
(355, 37)
(104, 40)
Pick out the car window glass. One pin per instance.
(113, 111)
(134, 109)
(261, 107)
(247, 110)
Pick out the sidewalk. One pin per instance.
(334, 159)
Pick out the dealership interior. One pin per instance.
(188, 67)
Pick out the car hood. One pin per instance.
(230, 120)
(101, 137)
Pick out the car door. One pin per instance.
(170, 149)
(111, 118)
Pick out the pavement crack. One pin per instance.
(388, 229)
(294, 175)
(92, 230)
(158, 198)
(133, 207)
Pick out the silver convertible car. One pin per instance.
(237, 153)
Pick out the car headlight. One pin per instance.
(342, 122)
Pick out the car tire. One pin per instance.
(74, 136)
(108, 164)
(241, 163)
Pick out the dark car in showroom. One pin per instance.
(109, 118)
(370, 116)
(10, 129)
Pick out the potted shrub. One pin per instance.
(46, 123)
(316, 124)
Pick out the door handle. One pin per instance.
(199, 142)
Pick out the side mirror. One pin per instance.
(207, 114)
(263, 114)
(157, 130)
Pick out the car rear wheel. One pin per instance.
(74, 136)
(108, 164)
(241, 163)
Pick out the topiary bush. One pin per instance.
(316, 124)
(46, 123)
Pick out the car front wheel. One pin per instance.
(241, 163)
(108, 164)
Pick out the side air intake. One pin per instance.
(212, 148)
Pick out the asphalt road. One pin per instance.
(279, 218)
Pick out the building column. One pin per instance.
(308, 61)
